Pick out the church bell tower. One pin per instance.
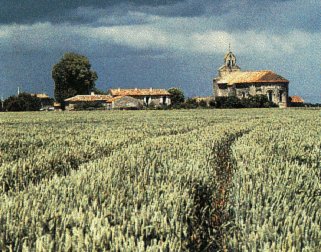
(229, 64)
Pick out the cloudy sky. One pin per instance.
(160, 43)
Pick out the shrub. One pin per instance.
(22, 102)
(258, 101)
(228, 102)
(212, 103)
(202, 104)
(191, 103)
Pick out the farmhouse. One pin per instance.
(125, 103)
(57, 106)
(231, 81)
(147, 97)
(103, 101)
(296, 99)
(92, 99)
(46, 101)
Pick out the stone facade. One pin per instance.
(126, 102)
(94, 99)
(148, 97)
(231, 81)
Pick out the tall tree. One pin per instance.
(72, 76)
(177, 97)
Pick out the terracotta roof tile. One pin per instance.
(115, 98)
(241, 77)
(138, 92)
(41, 96)
(88, 98)
(296, 99)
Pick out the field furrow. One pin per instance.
(199, 180)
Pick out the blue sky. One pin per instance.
(160, 44)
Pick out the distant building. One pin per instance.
(41, 96)
(103, 101)
(125, 103)
(57, 106)
(147, 97)
(231, 81)
(121, 99)
(206, 99)
(94, 99)
(296, 100)
(46, 101)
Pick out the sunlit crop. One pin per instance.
(199, 180)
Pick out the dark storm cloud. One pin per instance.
(159, 43)
(275, 15)
(27, 11)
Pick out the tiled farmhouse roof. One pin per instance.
(296, 99)
(138, 92)
(41, 96)
(88, 98)
(112, 99)
(241, 77)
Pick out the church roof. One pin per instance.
(240, 77)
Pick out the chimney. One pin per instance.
(151, 89)
(136, 89)
(92, 93)
(118, 89)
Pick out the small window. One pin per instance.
(270, 95)
(243, 95)
(281, 96)
(147, 100)
(222, 86)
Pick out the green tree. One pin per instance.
(72, 76)
(177, 96)
(1, 104)
(22, 102)
(98, 91)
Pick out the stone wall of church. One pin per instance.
(276, 92)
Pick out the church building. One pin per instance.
(231, 81)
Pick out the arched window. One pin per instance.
(243, 95)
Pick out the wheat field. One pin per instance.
(185, 180)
